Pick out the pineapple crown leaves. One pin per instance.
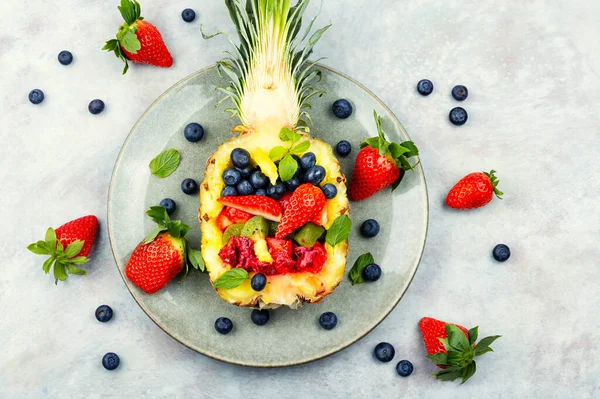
(63, 259)
(126, 37)
(459, 361)
(494, 181)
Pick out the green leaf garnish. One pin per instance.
(287, 168)
(165, 163)
(301, 147)
(286, 134)
(339, 230)
(356, 273)
(195, 258)
(277, 153)
(231, 279)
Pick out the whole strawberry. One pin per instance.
(162, 255)
(138, 40)
(474, 191)
(452, 348)
(305, 204)
(380, 164)
(69, 245)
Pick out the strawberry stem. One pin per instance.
(494, 181)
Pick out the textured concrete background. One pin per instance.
(532, 71)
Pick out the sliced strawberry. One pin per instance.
(281, 251)
(321, 219)
(305, 204)
(310, 260)
(284, 201)
(229, 216)
(255, 205)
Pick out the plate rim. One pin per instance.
(211, 355)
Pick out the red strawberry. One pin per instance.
(256, 205)
(229, 216)
(138, 40)
(281, 251)
(321, 218)
(284, 201)
(312, 259)
(452, 348)
(474, 191)
(306, 203)
(162, 255)
(69, 245)
(379, 164)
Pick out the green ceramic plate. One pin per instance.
(187, 311)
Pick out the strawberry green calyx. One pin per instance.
(126, 37)
(494, 180)
(459, 361)
(63, 259)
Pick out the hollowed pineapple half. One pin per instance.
(270, 86)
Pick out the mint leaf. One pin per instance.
(286, 134)
(287, 168)
(277, 153)
(72, 269)
(356, 273)
(413, 150)
(339, 230)
(457, 338)
(231, 278)
(73, 249)
(195, 258)
(473, 333)
(165, 163)
(302, 147)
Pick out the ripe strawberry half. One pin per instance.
(229, 216)
(453, 348)
(380, 164)
(138, 40)
(257, 205)
(305, 204)
(474, 191)
(69, 245)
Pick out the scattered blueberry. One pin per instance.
(246, 172)
(258, 282)
(104, 313)
(188, 15)
(36, 96)
(342, 108)
(229, 191)
(231, 176)
(425, 87)
(328, 320)
(223, 325)
(372, 272)
(329, 190)
(369, 228)
(96, 106)
(384, 352)
(169, 205)
(315, 175)
(258, 179)
(111, 361)
(460, 93)
(501, 252)
(292, 184)
(245, 188)
(65, 57)
(193, 132)
(404, 368)
(261, 191)
(260, 317)
(308, 160)
(240, 158)
(189, 186)
(343, 148)
(277, 191)
(458, 116)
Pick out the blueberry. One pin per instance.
(277, 191)
(258, 282)
(231, 176)
(111, 361)
(247, 171)
(329, 190)
(258, 179)
(245, 188)
(229, 191)
(372, 272)
(425, 87)
(328, 320)
(188, 15)
(104, 313)
(296, 158)
(260, 317)
(315, 175)
(223, 325)
(384, 352)
(369, 228)
(193, 132)
(307, 161)
(292, 184)
(501, 253)
(36, 96)
(240, 158)
(404, 368)
(169, 205)
(343, 148)
(261, 191)
(96, 106)
(65, 57)
(460, 93)
(342, 108)
(189, 186)
(458, 116)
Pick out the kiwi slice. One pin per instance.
(233, 230)
(308, 234)
(256, 227)
(273, 228)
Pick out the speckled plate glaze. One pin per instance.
(187, 311)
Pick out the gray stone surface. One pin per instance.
(532, 70)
